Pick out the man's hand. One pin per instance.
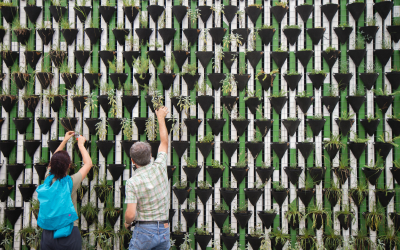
(161, 113)
(81, 140)
(68, 135)
(128, 226)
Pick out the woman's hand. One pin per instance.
(68, 135)
(81, 140)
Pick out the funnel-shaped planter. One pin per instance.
(9, 57)
(343, 33)
(317, 174)
(254, 147)
(216, 125)
(58, 57)
(205, 12)
(5, 191)
(279, 12)
(181, 194)
(253, 12)
(315, 34)
(219, 217)
(278, 244)
(383, 55)
(69, 35)
(239, 173)
(305, 148)
(394, 125)
(266, 35)
(330, 102)
(369, 32)
(205, 148)
(345, 220)
(45, 78)
(15, 170)
(357, 55)
(357, 197)
(370, 126)
(155, 11)
(241, 80)
(140, 123)
(143, 34)
(279, 196)
(304, 103)
(205, 102)
(191, 35)
(305, 195)
(229, 102)
(384, 196)
(180, 57)
(32, 57)
(266, 80)
(332, 151)
(167, 34)
(204, 57)
(191, 80)
(278, 103)
(105, 147)
(292, 80)
(217, 34)
(265, 173)
(21, 124)
(228, 194)
(292, 35)
(342, 174)
(94, 35)
(266, 218)
(253, 194)
(69, 123)
(243, 218)
(254, 57)
(53, 145)
(115, 124)
(240, 126)
(170, 170)
(31, 146)
(317, 79)
(291, 126)
(41, 170)
(229, 148)
(116, 170)
(356, 9)
(293, 174)
(383, 8)
(344, 125)
(280, 148)
(129, 56)
(166, 79)
(229, 240)
(9, 12)
(20, 79)
(264, 125)
(12, 214)
(69, 80)
(204, 194)
(304, 11)
(215, 173)
(31, 102)
(330, 57)
(126, 145)
(330, 10)
(343, 80)
(192, 125)
(179, 12)
(203, 240)
(393, 78)
(22, 35)
(216, 80)
(372, 175)
(279, 57)
(356, 148)
(180, 147)
(356, 102)
(333, 196)
(8, 102)
(383, 102)
(27, 191)
(304, 56)
(82, 12)
(191, 173)
(230, 12)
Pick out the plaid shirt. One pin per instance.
(149, 189)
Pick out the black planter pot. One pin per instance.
(265, 173)
(241, 80)
(394, 125)
(192, 124)
(266, 80)
(20, 79)
(94, 35)
(345, 220)
(27, 191)
(305, 148)
(205, 148)
(79, 102)
(293, 174)
(143, 34)
(332, 151)
(383, 102)
(383, 149)
(179, 12)
(219, 218)
(112, 219)
(356, 102)
(254, 147)
(279, 57)
(45, 78)
(179, 146)
(142, 79)
(229, 241)
(383, 55)
(230, 12)
(304, 103)
(181, 194)
(266, 218)
(279, 12)
(57, 57)
(240, 126)
(204, 194)
(155, 56)
(317, 174)
(330, 102)
(315, 34)
(229, 59)
(41, 170)
(69, 35)
(69, 80)
(330, 10)
(7, 102)
(45, 124)
(167, 34)
(9, 57)
(384, 196)
(393, 78)
(171, 215)
(292, 35)
(342, 174)
(57, 12)
(191, 173)
(9, 12)
(292, 81)
(356, 9)
(155, 11)
(203, 240)
(291, 126)
(357, 55)
(277, 244)
(304, 57)
(129, 56)
(126, 145)
(253, 12)
(279, 148)
(229, 102)
(53, 145)
(101, 192)
(149, 102)
(69, 123)
(46, 35)
(191, 80)
(31, 102)
(266, 35)
(175, 101)
(22, 35)
(216, 125)
(356, 148)
(180, 57)
(369, 32)
(357, 197)
(15, 170)
(279, 196)
(105, 147)
(317, 79)
(104, 103)
(115, 124)
(383, 8)
(107, 56)
(370, 126)
(239, 173)
(191, 35)
(179, 238)
(395, 217)
(166, 79)
(264, 126)
(31, 146)
(118, 79)
(254, 57)
(243, 218)
(330, 57)
(205, 12)
(131, 12)
(116, 170)
(5, 191)
(229, 148)
(343, 33)
(215, 173)
(333, 199)
(372, 174)
(82, 12)
(229, 194)
(277, 103)
(304, 11)
(13, 213)
(32, 57)
(21, 124)
(107, 12)
(253, 194)
(294, 222)
(154, 148)
(344, 125)
(343, 80)
(217, 34)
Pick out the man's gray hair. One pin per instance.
(140, 153)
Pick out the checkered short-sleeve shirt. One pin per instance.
(148, 188)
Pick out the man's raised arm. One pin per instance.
(161, 114)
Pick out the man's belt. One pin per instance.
(152, 222)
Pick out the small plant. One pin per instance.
(386, 43)
(203, 185)
(150, 129)
(31, 236)
(216, 164)
(316, 211)
(292, 27)
(332, 239)
(127, 129)
(141, 66)
(207, 138)
(256, 231)
(357, 139)
(318, 72)
(104, 236)
(89, 210)
(281, 93)
(231, 39)
(243, 162)
(192, 207)
(344, 25)
(382, 138)
(390, 237)
(202, 230)
(384, 91)
(193, 15)
(361, 188)
(101, 129)
(228, 84)
(190, 69)
(334, 141)
(90, 102)
(334, 191)
(191, 163)
(292, 73)
(346, 210)
(228, 230)
(157, 99)
(371, 21)
(180, 184)
(346, 116)
(359, 91)
(344, 67)
(178, 229)
(184, 104)
(278, 187)
(279, 236)
(330, 49)
(281, 4)
(281, 49)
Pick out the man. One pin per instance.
(147, 193)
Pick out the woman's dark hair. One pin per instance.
(59, 164)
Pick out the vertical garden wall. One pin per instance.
(283, 117)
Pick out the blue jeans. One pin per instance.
(150, 237)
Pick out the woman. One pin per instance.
(59, 166)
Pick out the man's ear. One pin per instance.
(133, 162)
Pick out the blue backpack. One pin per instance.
(57, 212)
